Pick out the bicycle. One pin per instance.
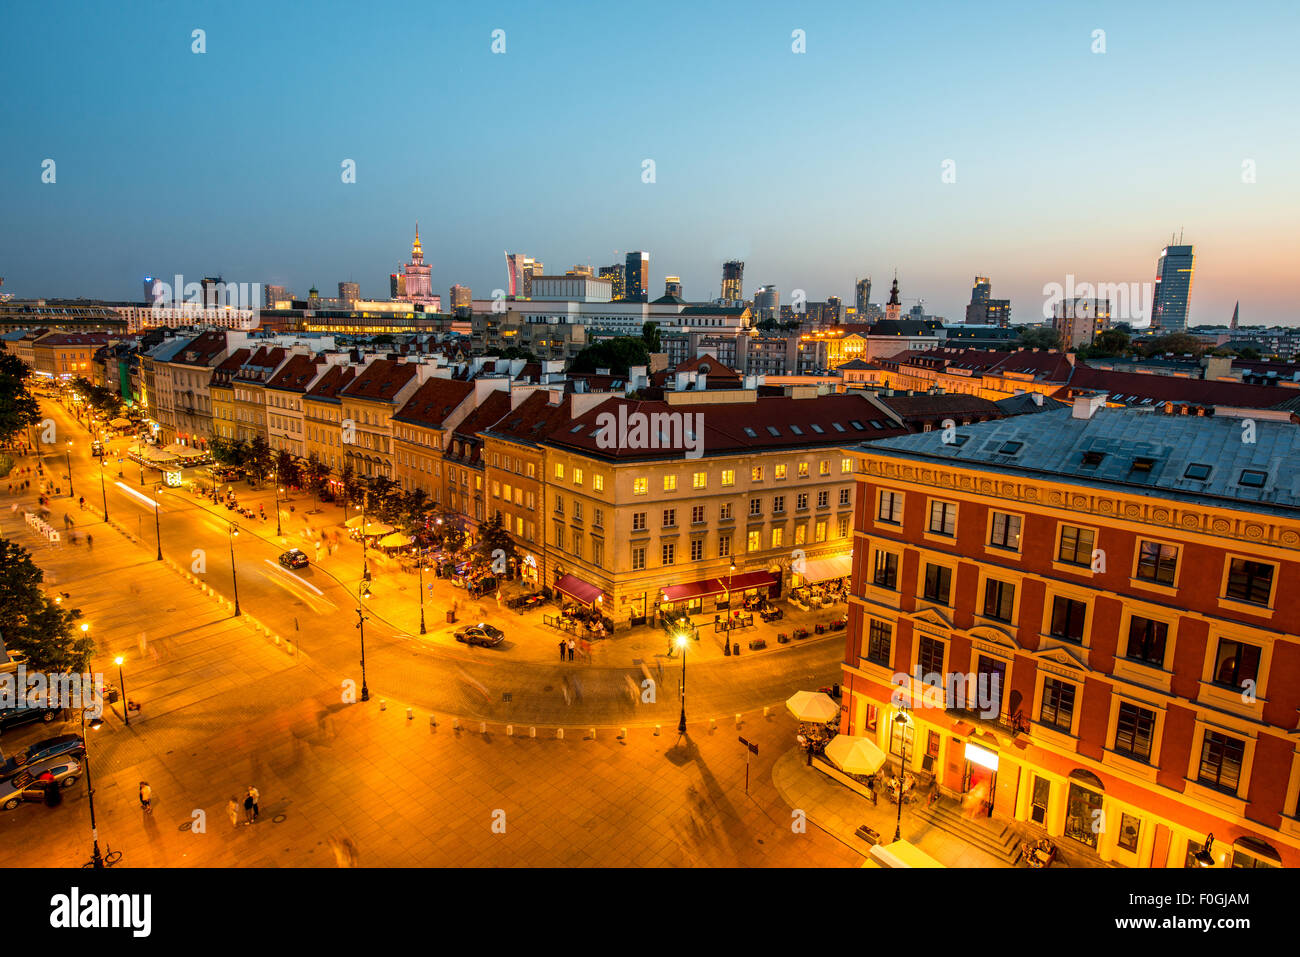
(109, 858)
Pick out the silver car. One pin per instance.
(27, 786)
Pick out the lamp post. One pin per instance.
(278, 490)
(420, 566)
(726, 636)
(67, 455)
(234, 575)
(96, 859)
(365, 567)
(103, 493)
(681, 722)
(157, 524)
(363, 591)
(139, 454)
(121, 683)
(901, 718)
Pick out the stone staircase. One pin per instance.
(994, 837)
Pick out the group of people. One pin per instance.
(251, 809)
(567, 647)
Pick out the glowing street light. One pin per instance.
(121, 683)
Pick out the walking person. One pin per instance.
(572, 645)
(146, 797)
(90, 541)
(564, 646)
(248, 806)
(232, 812)
(255, 795)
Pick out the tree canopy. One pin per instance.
(18, 407)
(32, 625)
(616, 355)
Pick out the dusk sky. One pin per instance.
(813, 168)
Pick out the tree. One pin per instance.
(413, 507)
(316, 474)
(495, 548)
(18, 407)
(32, 626)
(1111, 342)
(514, 352)
(1039, 338)
(1179, 343)
(617, 355)
(287, 470)
(650, 336)
(381, 489)
(1247, 352)
(259, 459)
(351, 484)
(231, 452)
(447, 529)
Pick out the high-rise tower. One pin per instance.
(733, 279)
(1173, 290)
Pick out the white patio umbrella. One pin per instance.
(354, 522)
(855, 755)
(376, 528)
(815, 707)
(395, 540)
(120, 423)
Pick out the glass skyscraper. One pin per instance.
(1173, 289)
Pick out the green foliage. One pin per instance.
(228, 451)
(616, 355)
(650, 336)
(1039, 338)
(31, 624)
(18, 407)
(514, 352)
(259, 459)
(493, 538)
(1179, 343)
(1111, 342)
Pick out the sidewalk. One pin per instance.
(840, 812)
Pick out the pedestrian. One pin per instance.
(248, 806)
(572, 646)
(256, 796)
(564, 646)
(146, 797)
(232, 812)
(90, 542)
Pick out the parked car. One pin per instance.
(59, 745)
(26, 784)
(294, 558)
(481, 634)
(13, 717)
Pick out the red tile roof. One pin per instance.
(381, 380)
(729, 428)
(433, 401)
(531, 420)
(296, 374)
(1166, 388)
(332, 383)
(489, 412)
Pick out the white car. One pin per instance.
(27, 786)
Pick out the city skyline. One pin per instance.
(138, 190)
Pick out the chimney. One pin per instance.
(1038, 398)
(1085, 406)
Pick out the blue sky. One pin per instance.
(814, 168)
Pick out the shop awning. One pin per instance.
(826, 569)
(689, 590)
(579, 590)
(748, 580)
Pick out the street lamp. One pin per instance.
(901, 718)
(139, 453)
(1204, 857)
(363, 591)
(726, 636)
(103, 493)
(681, 722)
(278, 490)
(365, 567)
(96, 859)
(67, 454)
(121, 683)
(234, 576)
(157, 525)
(420, 566)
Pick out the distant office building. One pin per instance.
(1173, 290)
(579, 271)
(673, 286)
(461, 298)
(894, 308)
(636, 276)
(616, 278)
(834, 309)
(569, 288)
(520, 270)
(274, 294)
(1077, 321)
(152, 289)
(396, 286)
(349, 291)
(733, 277)
(212, 287)
(862, 295)
(767, 303)
(985, 311)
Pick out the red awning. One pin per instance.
(576, 588)
(685, 592)
(748, 580)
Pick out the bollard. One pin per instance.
(657, 727)
(383, 704)
(737, 720)
(455, 724)
(482, 727)
(410, 713)
(767, 711)
(622, 733)
(532, 732)
(713, 725)
(559, 734)
(593, 734)
(433, 721)
(510, 731)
